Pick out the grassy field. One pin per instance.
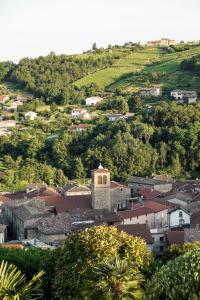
(128, 71)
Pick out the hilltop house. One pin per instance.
(163, 42)
(183, 95)
(116, 117)
(79, 127)
(30, 115)
(15, 105)
(150, 92)
(80, 113)
(8, 123)
(92, 100)
(24, 97)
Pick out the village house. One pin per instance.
(92, 100)
(79, 127)
(8, 123)
(178, 217)
(21, 213)
(80, 113)
(150, 92)
(3, 99)
(152, 213)
(73, 189)
(163, 42)
(14, 105)
(159, 240)
(137, 183)
(30, 115)
(116, 117)
(183, 95)
(24, 97)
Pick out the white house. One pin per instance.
(92, 100)
(181, 95)
(30, 115)
(80, 113)
(178, 217)
(115, 117)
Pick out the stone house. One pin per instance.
(152, 213)
(137, 183)
(21, 213)
(8, 123)
(150, 92)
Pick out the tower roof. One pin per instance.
(101, 169)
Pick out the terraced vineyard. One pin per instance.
(133, 71)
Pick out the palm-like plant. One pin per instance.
(13, 285)
(116, 279)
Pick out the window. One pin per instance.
(180, 214)
(161, 239)
(161, 248)
(99, 179)
(104, 179)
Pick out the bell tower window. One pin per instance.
(99, 179)
(104, 179)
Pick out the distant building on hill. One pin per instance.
(150, 92)
(163, 42)
(4, 98)
(80, 113)
(79, 127)
(30, 115)
(93, 100)
(183, 95)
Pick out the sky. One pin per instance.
(30, 28)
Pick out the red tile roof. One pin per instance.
(175, 237)
(148, 208)
(149, 194)
(74, 127)
(139, 230)
(68, 203)
(114, 185)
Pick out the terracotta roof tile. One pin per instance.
(139, 230)
(175, 237)
(150, 194)
(68, 203)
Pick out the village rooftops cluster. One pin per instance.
(144, 207)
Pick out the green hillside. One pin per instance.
(135, 70)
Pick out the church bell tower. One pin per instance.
(101, 188)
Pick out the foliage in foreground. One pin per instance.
(13, 284)
(175, 250)
(178, 279)
(82, 251)
(114, 279)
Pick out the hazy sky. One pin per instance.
(29, 28)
